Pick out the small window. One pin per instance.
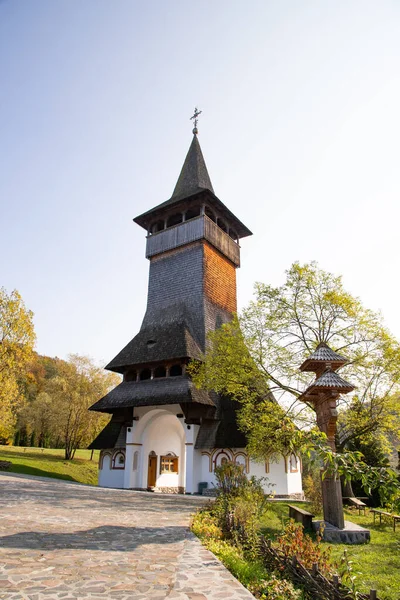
(160, 372)
(174, 220)
(168, 464)
(175, 371)
(192, 213)
(118, 461)
(145, 374)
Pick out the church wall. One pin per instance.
(285, 484)
(109, 477)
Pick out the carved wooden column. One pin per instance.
(322, 394)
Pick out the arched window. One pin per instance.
(174, 219)
(209, 213)
(175, 370)
(135, 460)
(221, 458)
(160, 372)
(192, 213)
(145, 374)
(118, 461)
(293, 463)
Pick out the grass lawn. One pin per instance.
(50, 463)
(376, 565)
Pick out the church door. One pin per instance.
(152, 472)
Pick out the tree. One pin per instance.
(256, 359)
(78, 384)
(17, 339)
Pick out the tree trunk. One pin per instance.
(91, 455)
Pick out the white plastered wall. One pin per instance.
(284, 483)
(109, 477)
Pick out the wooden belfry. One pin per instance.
(322, 394)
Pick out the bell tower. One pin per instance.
(192, 245)
(193, 248)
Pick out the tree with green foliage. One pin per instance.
(78, 384)
(17, 339)
(255, 359)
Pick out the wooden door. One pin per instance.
(152, 472)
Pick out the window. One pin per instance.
(145, 374)
(293, 464)
(175, 371)
(160, 372)
(168, 464)
(192, 213)
(118, 461)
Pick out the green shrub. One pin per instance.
(205, 526)
(276, 589)
(239, 506)
(294, 542)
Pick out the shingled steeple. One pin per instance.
(194, 176)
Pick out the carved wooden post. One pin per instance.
(323, 394)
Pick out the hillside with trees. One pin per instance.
(44, 401)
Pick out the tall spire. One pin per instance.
(194, 176)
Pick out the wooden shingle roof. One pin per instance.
(168, 341)
(152, 392)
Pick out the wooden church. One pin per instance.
(164, 434)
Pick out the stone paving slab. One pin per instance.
(64, 541)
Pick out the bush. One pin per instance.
(239, 506)
(313, 491)
(205, 526)
(252, 573)
(294, 542)
(277, 589)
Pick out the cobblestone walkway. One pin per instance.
(64, 541)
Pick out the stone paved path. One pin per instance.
(60, 541)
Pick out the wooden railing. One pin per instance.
(190, 231)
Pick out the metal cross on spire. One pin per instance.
(197, 112)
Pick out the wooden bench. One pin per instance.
(301, 516)
(5, 465)
(383, 513)
(357, 503)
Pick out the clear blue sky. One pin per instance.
(300, 131)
